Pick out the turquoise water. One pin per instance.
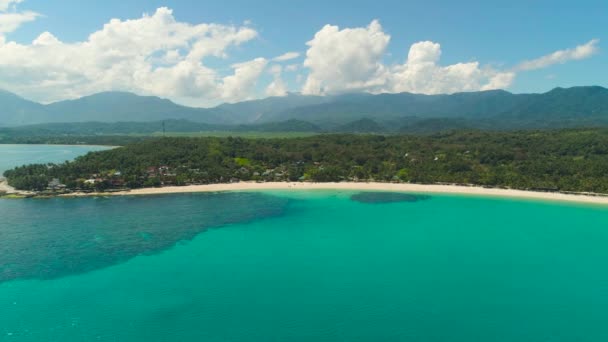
(299, 266)
(306, 266)
(17, 155)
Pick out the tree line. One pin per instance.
(564, 160)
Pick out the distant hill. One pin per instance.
(147, 128)
(497, 109)
(102, 107)
(106, 128)
(120, 106)
(388, 107)
(282, 126)
(562, 104)
(15, 110)
(360, 126)
(128, 107)
(270, 109)
(434, 125)
(557, 107)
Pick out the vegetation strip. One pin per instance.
(555, 161)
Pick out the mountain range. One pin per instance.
(560, 107)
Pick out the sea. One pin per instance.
(17, 155)
(299, 266)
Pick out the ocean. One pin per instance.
(302, 266)
(16, 155)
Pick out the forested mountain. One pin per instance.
(15, 110)
(361, 126)
(559, 108)
(386, 107)
(102, 107)
(270, 109)
(128, 107)
(566, 104)
(121, 106)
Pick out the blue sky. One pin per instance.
(499, 37)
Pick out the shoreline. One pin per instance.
(5, 188)
(352, 186)
(63, 145)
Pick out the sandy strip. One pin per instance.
(415, 188)
(4, 187)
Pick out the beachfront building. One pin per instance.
(56, 185)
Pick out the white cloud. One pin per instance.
(154, 54)
(286, 57)
(351, 60)
(424, 52)
(561, 56)
(422, 73)
(277, 87)
(10, 22)
(6, 4)
(158, 55)
(500, 80)
(343, 60)
(275, 70)
(11, 19)
(292, 67)
(240, 86)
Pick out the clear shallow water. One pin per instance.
(314, 266)
(54, 238)
(17, 155)
(305, 266)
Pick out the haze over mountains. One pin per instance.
(572, 107)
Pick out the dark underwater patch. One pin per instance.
(386, 197)
(48, 239)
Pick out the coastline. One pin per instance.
(352, 186)
(5, 188)
(63, 145)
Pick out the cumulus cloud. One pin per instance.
(159, 55)
(286, 57)
(351, 60)
(562, 56)
(343, 60)
(277, 87)
(422, 73)
(240, 85)
(155, 54)
(6, 4)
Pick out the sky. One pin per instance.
(203, 53)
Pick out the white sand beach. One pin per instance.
(5, 188)
(415, 188)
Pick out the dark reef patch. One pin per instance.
(386, 197)
(48, 239)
